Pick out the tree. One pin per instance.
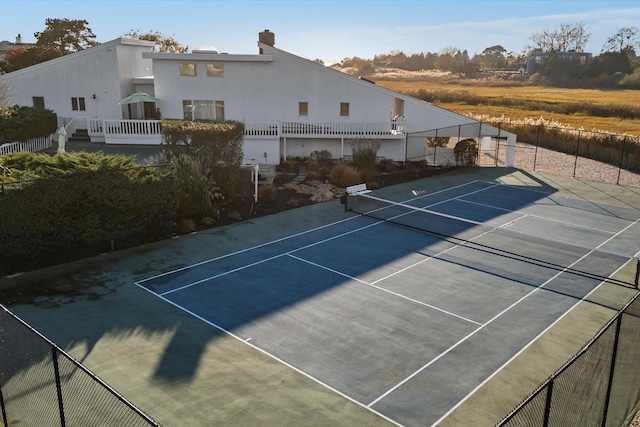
(5, 95)
(163, 42)
(493, 58)
(66, 35)
(625, 40)
(565, 38)
(22, 57)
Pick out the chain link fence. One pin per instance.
(41, 385)
(597, 387)
(592, 156)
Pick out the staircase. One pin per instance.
(80, 135)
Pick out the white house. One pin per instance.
(291, 106)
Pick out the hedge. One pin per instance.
(82, 211)
(24, 123)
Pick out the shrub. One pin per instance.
(466, 152)
(295, 202)
(23, 123)
(367, 175)
(364, 152)
(195, 189)
(79, 205)
(267, 193)
(343, 175)
(185, 226)
(313, 175)
(320, 156)
(235, 216)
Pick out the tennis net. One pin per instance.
(591, 262)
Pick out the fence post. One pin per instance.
(56, 369)
(547, 405)
(624, 145)
(4, 411)
(611, 370)
(535, 154)
(498, 145)
(575, 163)
(435, 149)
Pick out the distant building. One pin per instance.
(6, 45)
(537, 57)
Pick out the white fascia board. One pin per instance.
(207, 57)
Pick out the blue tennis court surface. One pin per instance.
(408, 323)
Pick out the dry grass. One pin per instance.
(535, 93)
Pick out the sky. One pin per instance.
(330, 30)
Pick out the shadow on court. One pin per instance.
(182, 371)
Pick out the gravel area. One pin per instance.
(549, 161)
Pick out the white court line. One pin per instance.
(272, 356)
(472, 392)
(433, 307)
(544, 218)
(337, 236)
(392, 389)
(298, 234)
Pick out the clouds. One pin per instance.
(333, 30)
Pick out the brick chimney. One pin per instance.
(267, 37)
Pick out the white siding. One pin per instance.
(105, 71)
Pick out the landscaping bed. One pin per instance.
(315, 188)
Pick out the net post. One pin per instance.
(637, 272)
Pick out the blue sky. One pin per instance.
(330, 30)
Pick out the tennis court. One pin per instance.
(406, 308)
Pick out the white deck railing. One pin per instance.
(32, 145)
(125, 131)
(149, 132)
(325, 129)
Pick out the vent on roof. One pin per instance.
(205, 48)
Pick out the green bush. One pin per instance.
(24, 123)
(466, 152)
(80, 205)
(217, 144)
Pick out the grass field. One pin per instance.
(535, 93)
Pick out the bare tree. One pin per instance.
(565, 38)
(625, 40)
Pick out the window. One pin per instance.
(215, 70)
(187, 69)
(303, 108)
(38, 101)
(203, 110)
(187, 108)
(398, 108)
(344, 109)
(77, 104)
(220, 110)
